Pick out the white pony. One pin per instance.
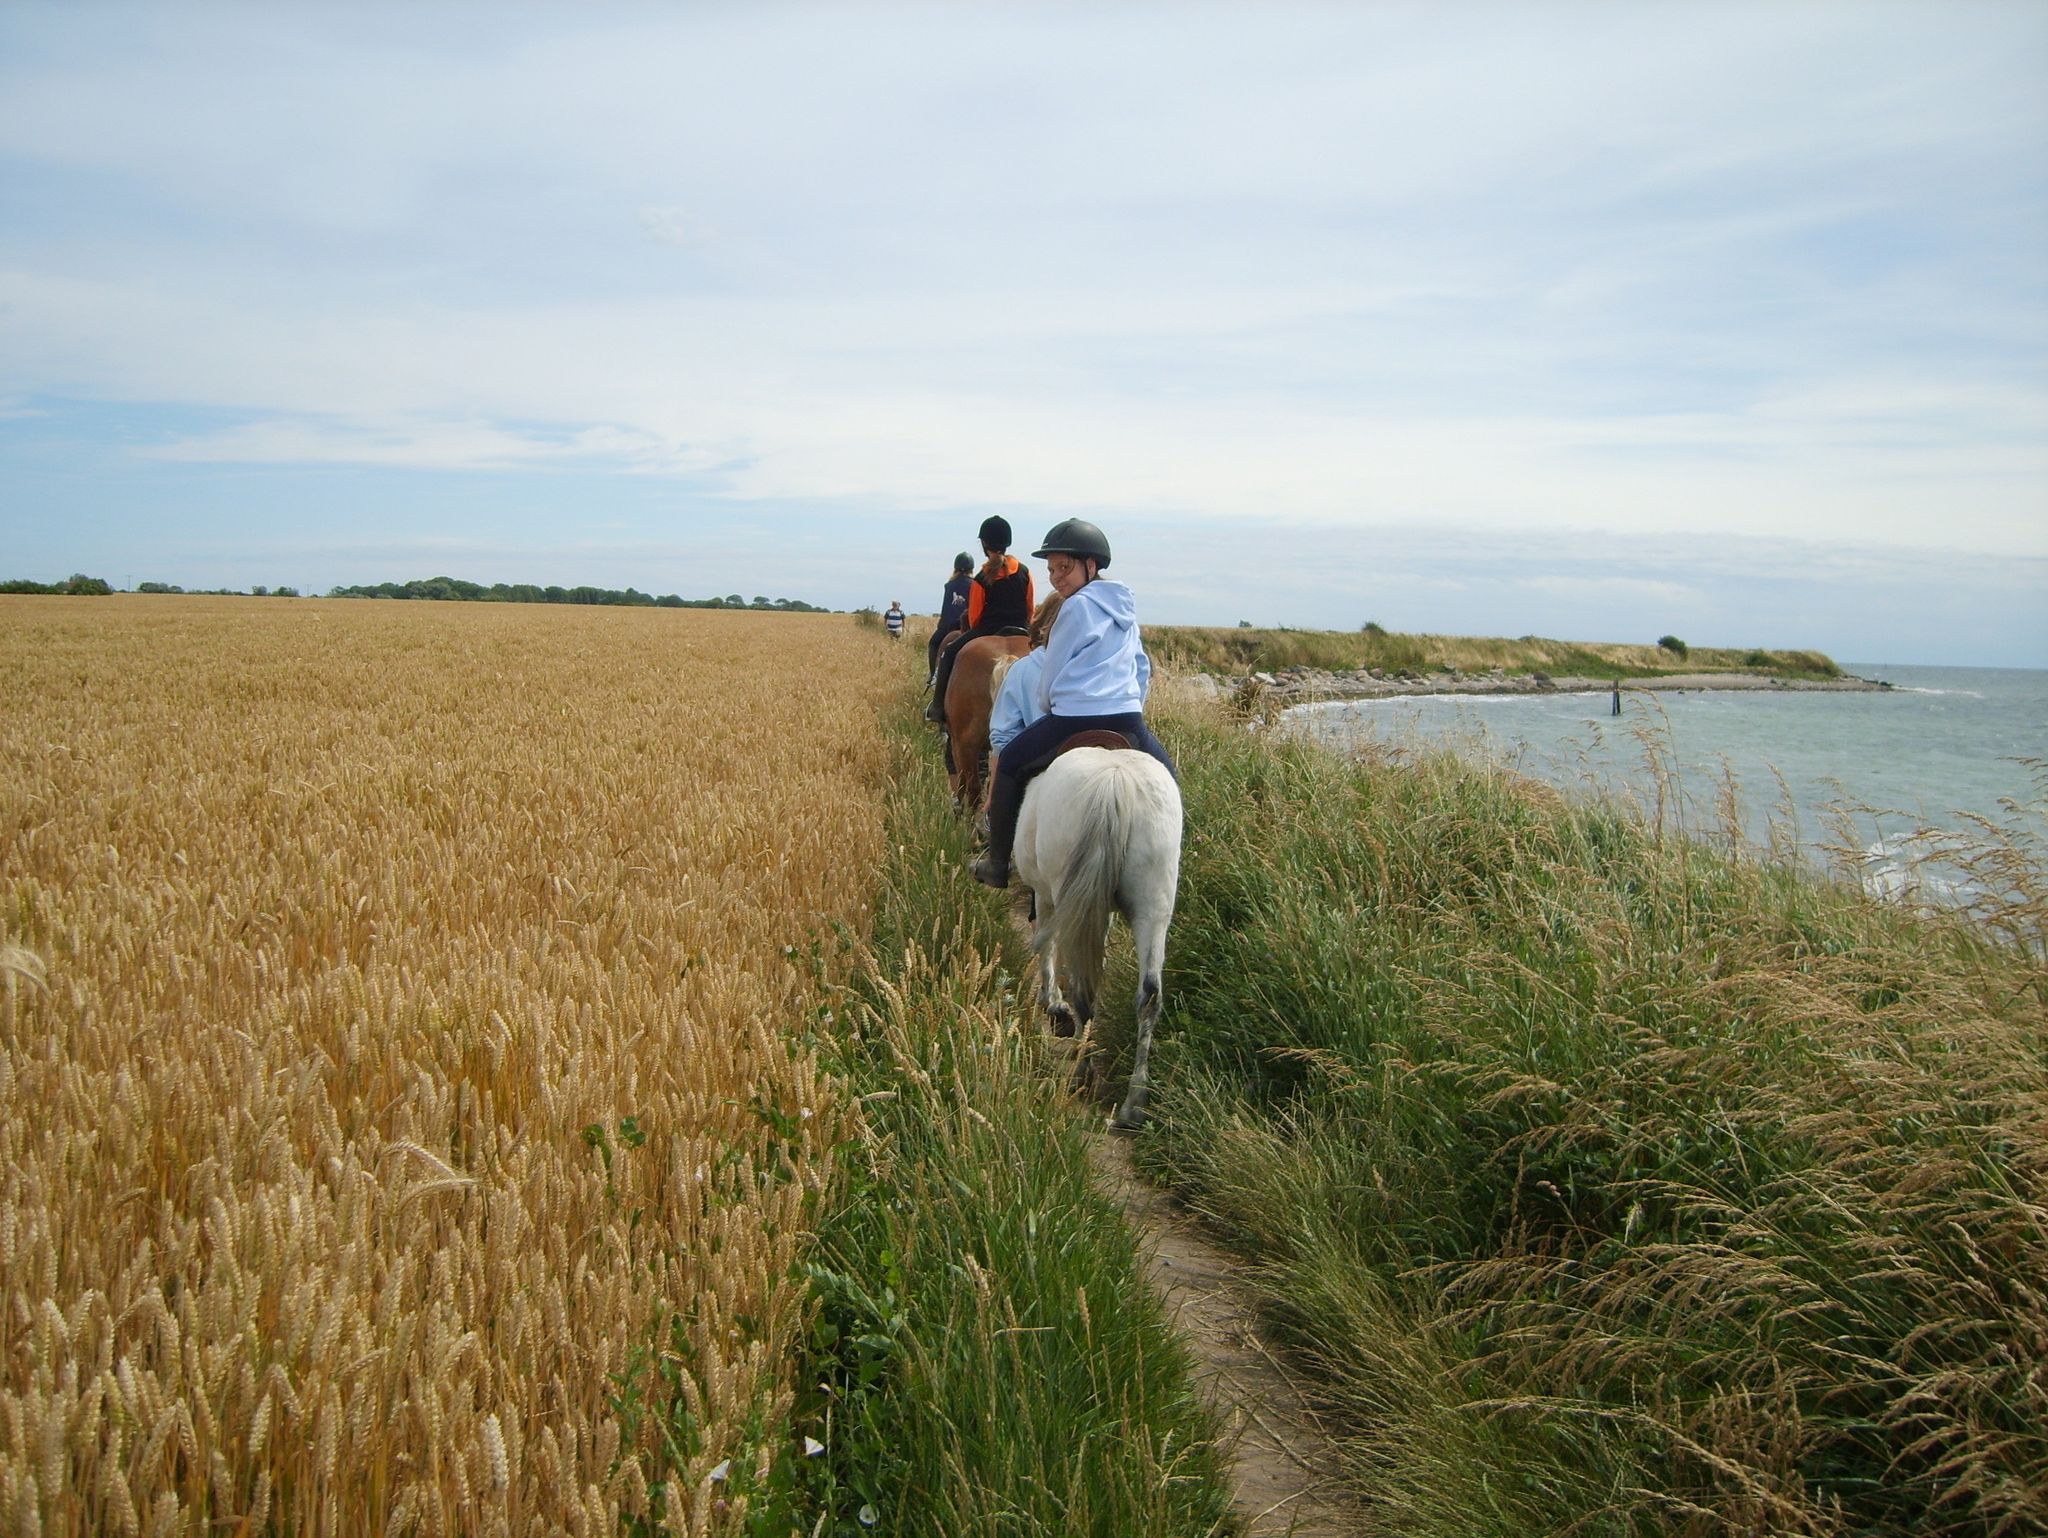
(1099, 832)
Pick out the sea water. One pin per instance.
(1862, 776)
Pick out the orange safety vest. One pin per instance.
(1001, 596)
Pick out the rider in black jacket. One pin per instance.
(1000, 600)
(952, 611)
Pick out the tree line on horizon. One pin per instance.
(454, 589)
(77, 584)
(444, 589)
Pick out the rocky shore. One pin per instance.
(1298, 686)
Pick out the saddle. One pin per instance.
(1095, 739)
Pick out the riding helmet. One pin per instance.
(1077, 537)
(995, 533)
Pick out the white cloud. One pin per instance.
(674, 226)
(434, 445)
(1609, 589)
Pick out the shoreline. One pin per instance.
(1303, 686)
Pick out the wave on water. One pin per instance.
(1893, 874)
(1967, 694)
(1462, 697)
(1923, 869)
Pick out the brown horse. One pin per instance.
(969, 699)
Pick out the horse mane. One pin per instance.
(997, 674)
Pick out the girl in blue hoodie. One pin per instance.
(1094, 678)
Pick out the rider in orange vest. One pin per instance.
(999, 601)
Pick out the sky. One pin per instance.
(1587, 320)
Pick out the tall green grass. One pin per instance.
(987, 1358)
(1247, 650)
(1613, 1186)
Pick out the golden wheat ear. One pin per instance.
(19, 964)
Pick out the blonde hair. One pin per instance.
(1041, 622)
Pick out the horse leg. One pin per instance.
(1055, 1005)
(1081, 999)
(1149, 930)
(1057, 1008)
(1091, 1068)
(960, 767)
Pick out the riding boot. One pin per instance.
(1005, 798)
(936, 711)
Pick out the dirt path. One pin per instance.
(1283, 1464)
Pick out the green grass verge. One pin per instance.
(1610, 1185)
(986, 1357)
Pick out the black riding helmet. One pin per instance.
(995, 533)
(963, 563)
(1079, 538)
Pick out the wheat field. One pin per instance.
(406, 1117)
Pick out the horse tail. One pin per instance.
(996, 676)
(1106, 801)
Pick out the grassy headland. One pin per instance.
(1611, 1185)
(1247, 650)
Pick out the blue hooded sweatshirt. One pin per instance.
(1016, 702)
(1095, 662)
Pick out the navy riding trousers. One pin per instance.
(1035, 747)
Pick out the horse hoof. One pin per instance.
(1063, 1022)
(1116, 1126)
